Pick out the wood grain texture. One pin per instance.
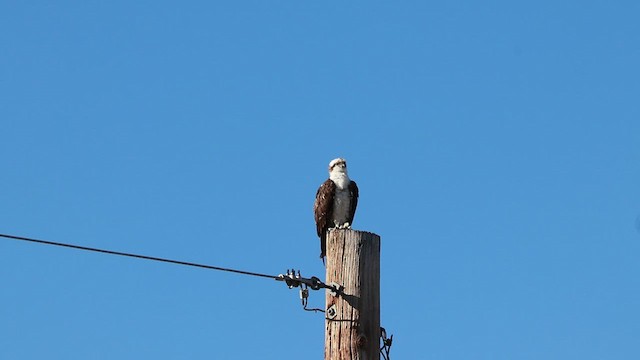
(353, 261)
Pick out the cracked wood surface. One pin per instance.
(353, 261)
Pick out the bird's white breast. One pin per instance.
(341, 199)
(341, 204)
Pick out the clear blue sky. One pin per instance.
(496, 145)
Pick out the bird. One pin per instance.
(336, 202)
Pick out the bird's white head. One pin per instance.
(338, 165)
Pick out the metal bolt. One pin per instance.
(332, 312)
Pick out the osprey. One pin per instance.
(336, 202)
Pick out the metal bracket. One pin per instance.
(332, 312)
(335, 289)
(293, 279)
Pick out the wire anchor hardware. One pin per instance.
(385, 348)
(294, 279)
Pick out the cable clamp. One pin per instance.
(335, 289)
(294, 279)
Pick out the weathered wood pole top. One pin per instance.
(352, 328)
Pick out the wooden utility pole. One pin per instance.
(352, 328)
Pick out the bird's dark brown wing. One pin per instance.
(353, 204)
(322, 209)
